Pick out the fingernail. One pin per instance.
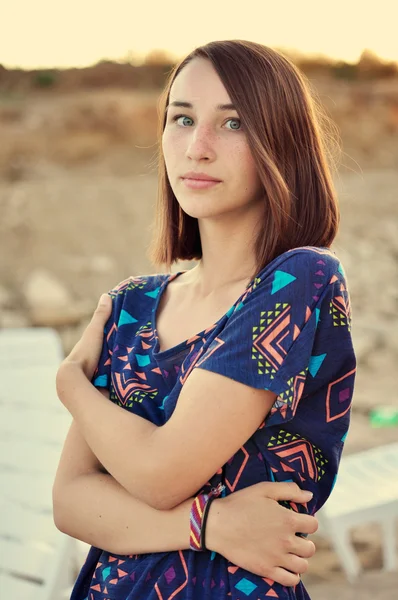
(308, 494)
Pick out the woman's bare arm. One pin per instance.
(210, 407)
(90, 505)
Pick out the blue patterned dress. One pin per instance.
(289, 332)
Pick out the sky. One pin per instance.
(44, 34)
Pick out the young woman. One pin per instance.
(230, 383)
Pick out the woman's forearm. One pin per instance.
(96, 509)
(110, 431)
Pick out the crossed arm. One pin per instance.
(158, 466)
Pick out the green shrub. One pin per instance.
(343, 70)
(44, 79)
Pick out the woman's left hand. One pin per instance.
(86, 353)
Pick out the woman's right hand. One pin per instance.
(256, 533)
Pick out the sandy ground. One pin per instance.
(370, 586)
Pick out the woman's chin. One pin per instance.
(200, 212)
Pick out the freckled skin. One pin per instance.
(213, 142)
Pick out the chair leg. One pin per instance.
(390, 562)
(341, 541)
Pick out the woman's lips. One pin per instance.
(198, 184)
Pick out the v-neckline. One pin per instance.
(194, 339)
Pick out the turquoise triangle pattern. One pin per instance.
(101, 381)
(153, 294)
(281, 280)
(317, 312)
(125, 318)
(240, 305)
(105, 572)
(230, 311)
(142, 359)
(316, 363)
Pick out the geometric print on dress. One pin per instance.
(290, 398)
(295, 450)
(244, 586)
(289, 456)
(250, 289)
(101, 579)
(131, 384)
(340, 308)
(124, 285)
(268, 336)
(137, 282)
(133, 388)
(339, 396)
(147, 335)
(198, 357)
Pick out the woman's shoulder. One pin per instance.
(301, 276)
(136, 282)
(135, 293)
(306, 260)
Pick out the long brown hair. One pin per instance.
(288, 132)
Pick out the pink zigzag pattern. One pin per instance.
(124, 389)
(268, 342)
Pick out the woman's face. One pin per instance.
(210, 141)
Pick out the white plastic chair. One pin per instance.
(35, 558)
(366, 491)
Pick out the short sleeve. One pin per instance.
(268, 341)
(102, 374)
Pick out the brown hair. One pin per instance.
(287, 130)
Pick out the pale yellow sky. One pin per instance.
(43, 33)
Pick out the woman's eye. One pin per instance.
(236, 121)
(177, 117)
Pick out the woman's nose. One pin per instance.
(200, 144)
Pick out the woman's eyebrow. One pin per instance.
(189, 105)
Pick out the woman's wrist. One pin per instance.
(214, 525)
